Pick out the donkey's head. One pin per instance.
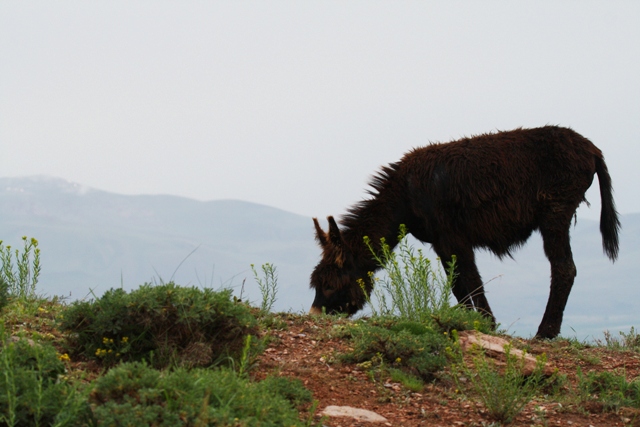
(335, 278)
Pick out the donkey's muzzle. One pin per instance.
(315, 311)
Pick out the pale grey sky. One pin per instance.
(294, 104)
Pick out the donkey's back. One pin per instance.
(496, 189)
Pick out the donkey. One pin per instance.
(489, 191)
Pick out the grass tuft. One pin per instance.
(18, 280)
(624, 341)
(268, 286)
(504, 390)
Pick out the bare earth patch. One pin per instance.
(307, 350)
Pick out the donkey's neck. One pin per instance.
(377, 218)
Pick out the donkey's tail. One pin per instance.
(609, 222)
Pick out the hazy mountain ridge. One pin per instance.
(89, 238)
(92, 239)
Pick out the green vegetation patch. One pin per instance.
(413, 347)
(135, 394)
(165, 325)
(609, 389)
(32, 387)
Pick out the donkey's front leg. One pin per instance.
(467, 285)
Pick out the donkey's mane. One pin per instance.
(357, 213)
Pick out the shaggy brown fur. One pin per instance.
(490, 191)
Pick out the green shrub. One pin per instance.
(415, 288)
(163, 324)
(31, 390)
(19, 280)
(412, 347)
(134, 394)
(611, 390)
(504, 390)
(412, 289)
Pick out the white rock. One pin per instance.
(494, 347)
(357, 413)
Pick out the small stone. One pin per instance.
(29, 341)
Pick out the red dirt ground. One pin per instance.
(305, 349)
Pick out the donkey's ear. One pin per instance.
(321, 236)
(334, 232)
(335, 237)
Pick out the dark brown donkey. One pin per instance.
(490, 191)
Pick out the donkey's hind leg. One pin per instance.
(563, 271)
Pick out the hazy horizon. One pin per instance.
(92, 241)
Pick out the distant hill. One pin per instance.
(92, 240)
(95, 240)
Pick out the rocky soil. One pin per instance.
(307, 349)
